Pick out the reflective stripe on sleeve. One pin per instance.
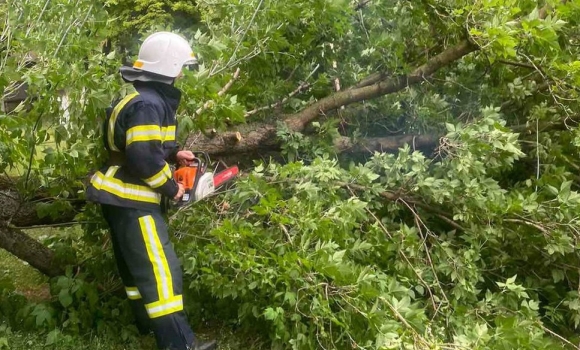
(160, 178)
(168, 133)
(143, 133)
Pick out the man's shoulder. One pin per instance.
(149, 98)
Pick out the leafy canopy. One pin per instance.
(472, 246)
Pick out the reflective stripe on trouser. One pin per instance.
(151, 273)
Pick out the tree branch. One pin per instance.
(30, 250)
(398, 197)
(20, 212)
(361, 5)
(263, 136)
(302, 86)
(564, 124)
(518, 64)
(369, 80)
(298, 121)
(229, 84)
(385, 144)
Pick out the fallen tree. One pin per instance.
(393, 250)
(17, 214)
(256, 137)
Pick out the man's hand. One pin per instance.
(180, 192)
(184, 157)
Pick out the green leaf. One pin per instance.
(558, 275)
(338, 256)
(65, 298)
(271, 314)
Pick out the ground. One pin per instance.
(33, 285)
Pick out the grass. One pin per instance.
(227, 340)
(32, 284)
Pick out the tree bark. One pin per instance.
(30, 250)
(425, 143)
(15, 211)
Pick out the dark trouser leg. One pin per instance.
(135, 300)
(144, 244)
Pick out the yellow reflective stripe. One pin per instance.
(167, 303)
(123, 190)
(143, 133)
(163, 302)
(160, 178)
(168, 133)
(166, 307)
(157, 258)
(113, 119)
(133, 293)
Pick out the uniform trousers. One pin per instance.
(151, 273)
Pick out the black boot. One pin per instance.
(204, 345)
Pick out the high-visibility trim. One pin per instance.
(160, 178)
(143, 133)
(157, 258)
(107, 182)
(167, 303)
(133, 293)
(113, 120)
(168, 133)
(158, 309)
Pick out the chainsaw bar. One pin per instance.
(225, 176)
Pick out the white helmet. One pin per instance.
(164, 53)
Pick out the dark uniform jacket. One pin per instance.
(139, 133)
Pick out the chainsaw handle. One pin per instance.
(202, 161)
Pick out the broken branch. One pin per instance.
(226, 87)
(302, 86)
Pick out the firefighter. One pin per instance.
(139, 135)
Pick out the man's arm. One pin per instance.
(144, 150)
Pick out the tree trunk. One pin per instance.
(15, 211)
(30, 250)
(423, 143)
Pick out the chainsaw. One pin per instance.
(198, 182)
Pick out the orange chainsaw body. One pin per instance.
(186, 176)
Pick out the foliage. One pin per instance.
(318, 254)
(66, 63)
(474, 246)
